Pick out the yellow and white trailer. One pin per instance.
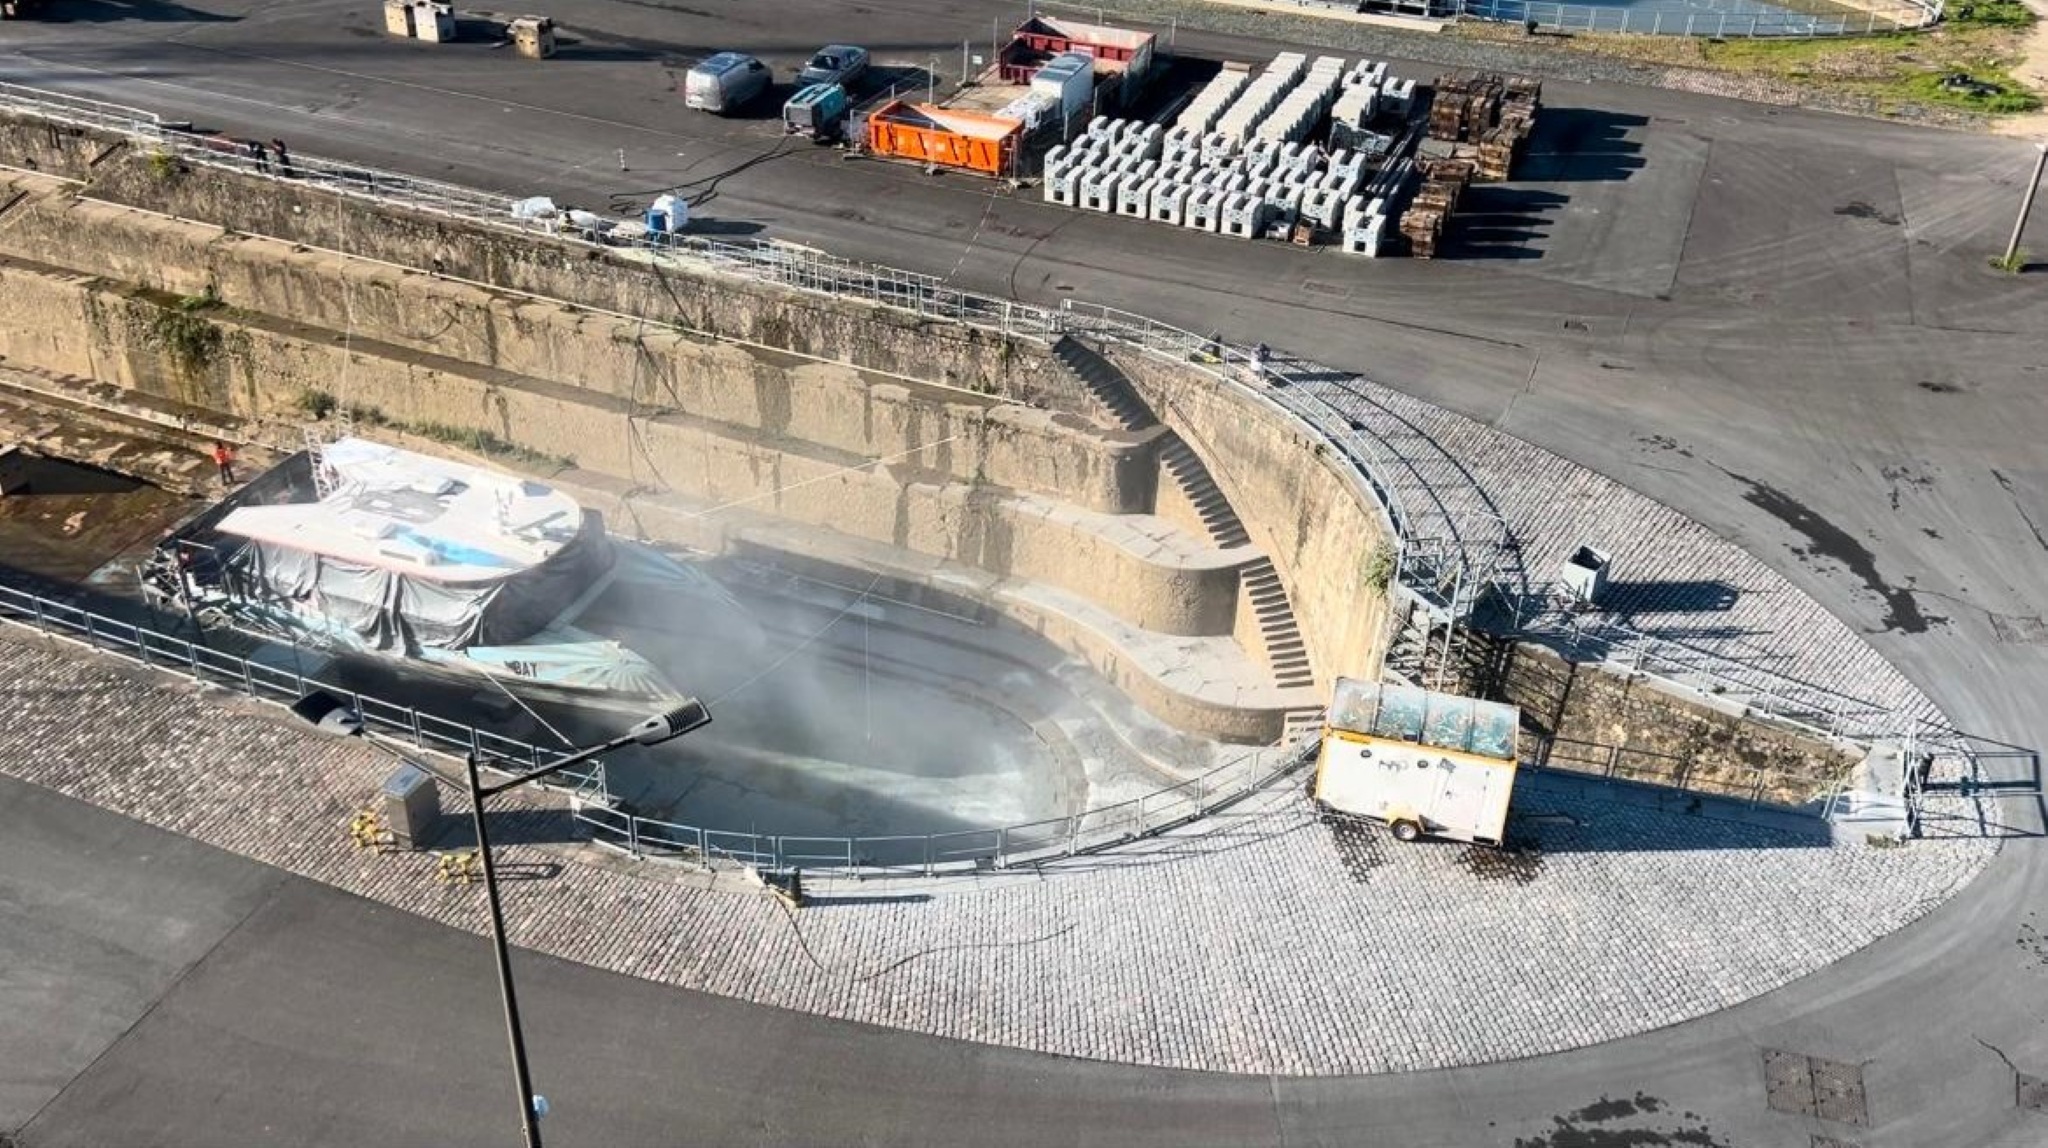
(1425, 763)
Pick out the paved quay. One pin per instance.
(1261, 941)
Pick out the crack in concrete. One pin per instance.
(2005, 484)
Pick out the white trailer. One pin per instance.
(1425, 763)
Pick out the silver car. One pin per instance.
(841, 64)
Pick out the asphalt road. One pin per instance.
(1778, 322)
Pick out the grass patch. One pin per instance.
(1997, 94)
(1989, 14)
(1963, 64)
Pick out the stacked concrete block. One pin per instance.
(1169, 201)
(1134, 194)
(1397, 97)
(1202, 112)
(1241, 216)
(1305, 102)
(1098, 188)
(1346, 163)
(1365, 225)
(1204, 209)
(1366, 73)
(1064, 186)
(1260, 97)
(1356, 107)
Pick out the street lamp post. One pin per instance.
(2019, 226)
(329, 713)
(691, 715)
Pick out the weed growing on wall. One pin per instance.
(314, 403)
(194, 342)
(1377, 571)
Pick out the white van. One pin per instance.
(724, 83)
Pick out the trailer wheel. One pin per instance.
(1407, 831)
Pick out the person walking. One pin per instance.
(225, 460)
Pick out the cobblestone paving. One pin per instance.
(1262, 940)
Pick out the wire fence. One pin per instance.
(1721, 19)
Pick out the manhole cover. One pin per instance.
(1788, 1083)
(1809, 1086)
(2033, 1093)
(1838, 1092)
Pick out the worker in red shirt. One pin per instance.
(225, 460)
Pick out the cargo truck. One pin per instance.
(1426, 764)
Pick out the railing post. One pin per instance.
(1613, 760)
(413, 714)
(91, 639)
(248, 681)
(633, 834)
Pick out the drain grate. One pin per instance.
(1788, 1083)
(1838, 1092)
(2033, 1092)
(1820, 1141)
(1810, 1086)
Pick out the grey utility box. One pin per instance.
(412, 806)
(1585, 573)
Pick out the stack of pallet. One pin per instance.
(1515, 121)
(1464, 106)
(1443, 183)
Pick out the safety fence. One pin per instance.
(1454, 558)
(1007, 847)
(993, 848)
(280, 684)
(1721, 19)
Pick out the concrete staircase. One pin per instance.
(1105, 382)
(1191, 479)
(1191, 492)
(1278, 638)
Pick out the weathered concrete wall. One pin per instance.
(53, 149)
(653, 369)
(1296, 505)
(864, 335)
(256, 365)
(1655, 732)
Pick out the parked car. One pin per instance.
(726, 82)
(841, 64)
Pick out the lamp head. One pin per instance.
(689, 716)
